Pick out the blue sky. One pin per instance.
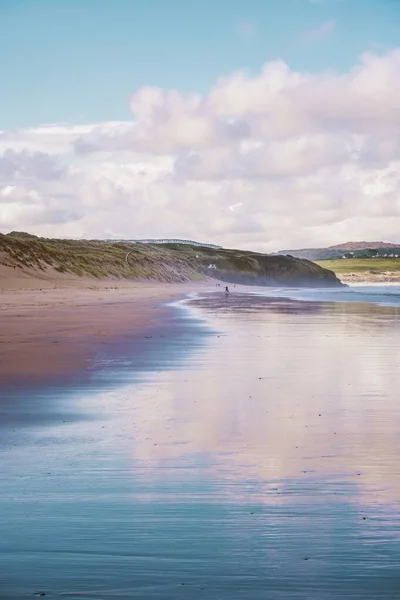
(291, 139)
(80, 60)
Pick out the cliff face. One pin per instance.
(166, 262)
(251, 268)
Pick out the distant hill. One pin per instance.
(156, 262)
(22, 234)
(347, 250)
(363, 245)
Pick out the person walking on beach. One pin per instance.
(226, 290)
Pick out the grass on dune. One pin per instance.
(361, 265)
(156, 262)
(94, 258)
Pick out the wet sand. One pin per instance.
(56, 333)
(258, 462)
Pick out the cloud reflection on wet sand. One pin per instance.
(280, 395)
(265, 466)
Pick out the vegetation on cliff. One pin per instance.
(166, 262)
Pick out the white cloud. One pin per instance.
(247, 29)
(23, 207)
(233, 207)
(56, 139)
(267, 160)
(25, 165)
(323, 30)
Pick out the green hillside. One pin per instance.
(362, 265)
(163, 262)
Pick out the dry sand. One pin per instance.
(56, 324)
(367, 277)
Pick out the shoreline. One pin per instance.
(56, 334)
(368, 277)
(59, 334)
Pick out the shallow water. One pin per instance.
(384, 295)
(261, 464)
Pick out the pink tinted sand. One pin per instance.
(57, 329)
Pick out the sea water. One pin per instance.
(384, 295)
(261, 463)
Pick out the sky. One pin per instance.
(249, 123)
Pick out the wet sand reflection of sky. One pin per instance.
(317, 400)
(264, 466)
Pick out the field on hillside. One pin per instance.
(361, 265)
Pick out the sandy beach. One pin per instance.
(56, 330)
(383, 278)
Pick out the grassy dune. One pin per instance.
(164, 262)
